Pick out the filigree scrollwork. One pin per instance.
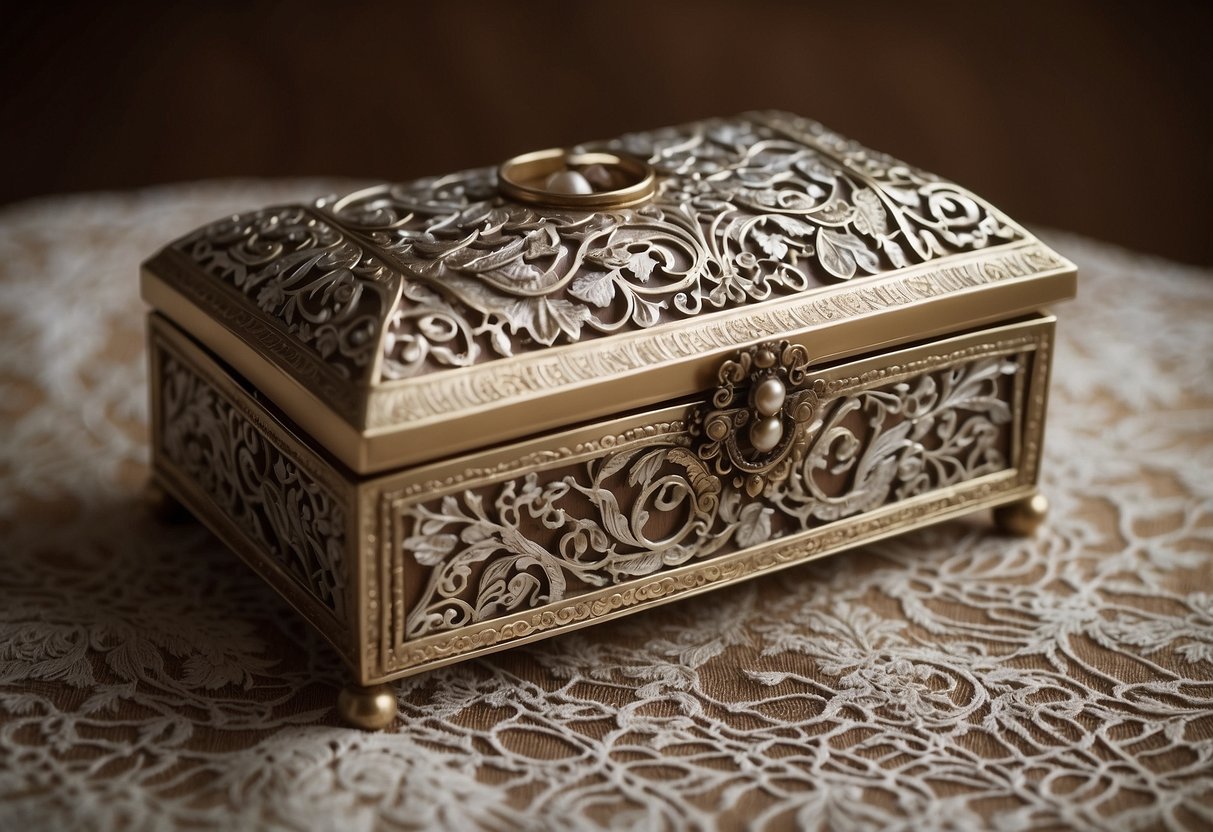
(294, 519)
(902, 440)
(306, 274)
(550, 535)
(756, 433)
(746, 209)
(627, 514)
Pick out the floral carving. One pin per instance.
(402, 280)
(550, 535)
(306, 274)
(443, 272)
(748, 209)
(899, 441)
(292, 518)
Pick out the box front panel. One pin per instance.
(284, 510)
(514, 544)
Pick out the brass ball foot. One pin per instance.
(164, 507)
(371, 708)
(1022, 517)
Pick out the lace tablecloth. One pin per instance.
(948, 679)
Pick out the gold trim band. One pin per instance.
(517, 179)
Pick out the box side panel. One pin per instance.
(264, 493)
(499, 548)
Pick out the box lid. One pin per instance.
(403, 323)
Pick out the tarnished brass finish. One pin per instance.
(1023, 517)
(370, 708)
(368, 560)
(451, 416)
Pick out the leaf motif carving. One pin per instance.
(545, 320)
(772, 211)
(430, 549)
(841, 253)
(597, 288)
(755, 525)
(549, 534)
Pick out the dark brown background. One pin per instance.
(1085, 115)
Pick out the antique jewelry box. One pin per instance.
(451, 416)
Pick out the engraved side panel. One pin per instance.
(269, 498)
(563, 535)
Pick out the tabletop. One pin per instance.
(950, 678)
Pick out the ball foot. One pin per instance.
(1023, 517)
(369, 708)
(164, 506)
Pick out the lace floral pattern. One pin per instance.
(949, 678)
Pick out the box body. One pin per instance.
(415, 569)
(451, 416)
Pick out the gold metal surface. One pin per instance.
(225, 411)
(756, 439)
(440, 309)
(482, 405)
(688, 581)
(379, 557)
(394, 647)
(1022, 517)
(630, 182)
(477, 410)
(370, 708)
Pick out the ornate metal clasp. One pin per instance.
(761, 416)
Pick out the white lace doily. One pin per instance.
(947, 679)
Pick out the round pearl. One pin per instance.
(769, 396)
(765, 435)
(568, 182)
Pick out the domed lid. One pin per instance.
(403, 323)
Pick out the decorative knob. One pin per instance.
(769, 396)
(765, 434)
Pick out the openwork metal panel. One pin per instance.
(505, 547)
(271, 498)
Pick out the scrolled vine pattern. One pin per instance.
(298, 522)
(306, 274)
(748, 209)
(547, 536)
(904, 439)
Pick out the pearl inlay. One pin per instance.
(765, 434)
(568, 182)
(769, 396)
(763, 394)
